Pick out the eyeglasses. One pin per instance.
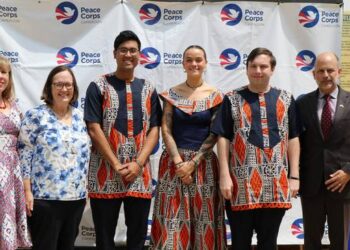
(124, 51)
(60, 85)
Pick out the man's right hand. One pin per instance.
(226, 186)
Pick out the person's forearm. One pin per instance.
(223, 155)
(206, 147)
(293, 156)
(167, 125)
(208, 143)
(26, 185)
(101, 144)
(151, 141)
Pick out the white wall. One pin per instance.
(347, 5)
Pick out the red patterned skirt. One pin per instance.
(188, 216)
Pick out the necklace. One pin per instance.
(4, 106)
(194, 87)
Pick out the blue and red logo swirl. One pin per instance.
(67, 56)
(150, 13)
(66, 13)
(150, 58)
(309, 16)
(231, 14)
(230, 59)
(305, 60)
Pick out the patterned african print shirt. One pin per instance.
(126, 112)
(259, 127)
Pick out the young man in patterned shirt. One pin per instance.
(123, 116)
(257, 125)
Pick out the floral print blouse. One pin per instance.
(53, 155)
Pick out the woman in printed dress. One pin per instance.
(13, 219)
(188, 210)
(54, 150)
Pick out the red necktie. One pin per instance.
(326, 117)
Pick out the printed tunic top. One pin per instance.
(259, 127)
(126, 112)
(53, 155)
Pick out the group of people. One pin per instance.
(269, 148)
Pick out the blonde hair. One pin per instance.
(8, 94)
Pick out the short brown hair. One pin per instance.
(47, 91)
(8, 93)
(261, 51)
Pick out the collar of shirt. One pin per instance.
(333, 95)
(333, 102)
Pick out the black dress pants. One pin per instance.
(54, 225)
(265, 222)
(105, 214)
(316, 211)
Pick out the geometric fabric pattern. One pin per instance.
(259, 170)
(103, 182)
(189, 216)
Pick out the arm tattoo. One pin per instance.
(167, 126)
(209, 142)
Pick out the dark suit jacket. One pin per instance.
(321, 158)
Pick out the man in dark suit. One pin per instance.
(325, 157)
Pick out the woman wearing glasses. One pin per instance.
(54, 150)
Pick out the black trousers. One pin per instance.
(54, 225)
(316, 210)
(265, 222)
(105, 213)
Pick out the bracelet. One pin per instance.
(139, 164)
(294, 178)
(196, 162)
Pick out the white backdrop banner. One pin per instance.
(39, 35)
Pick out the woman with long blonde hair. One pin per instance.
(13, 219)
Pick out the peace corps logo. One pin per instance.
(231, 14)
(305, 60)
(66, 12)
(67, 56)
(228, 231)
(150, 13)
(298, 229)
(309, 16)
(149, 58)
(154, 186)
(230, 59)
(155, 149)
